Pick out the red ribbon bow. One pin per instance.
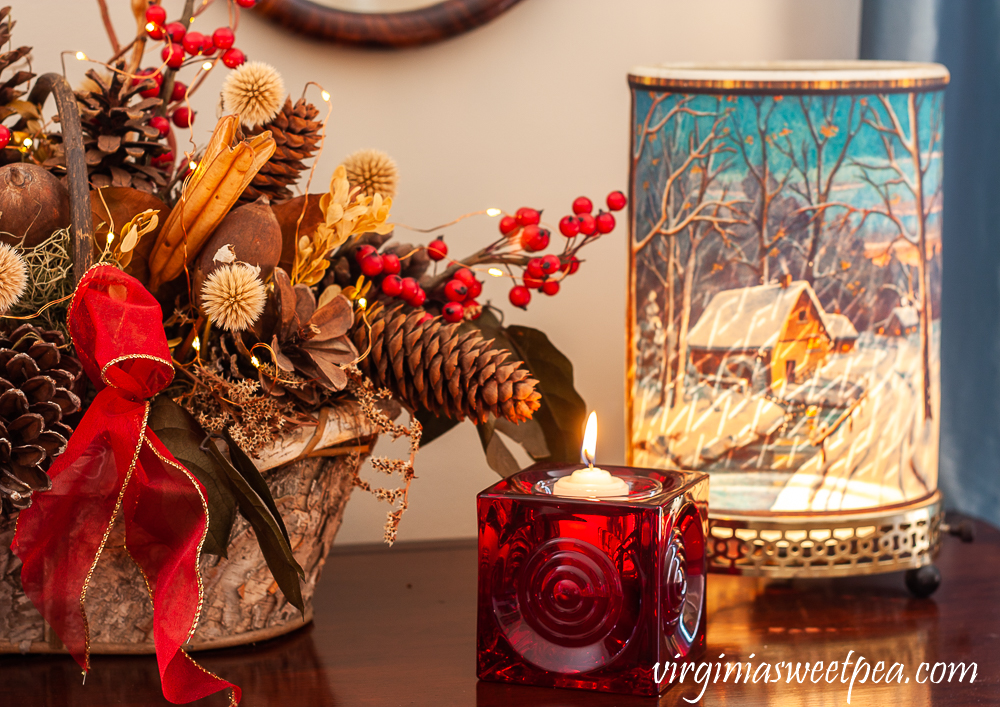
(114, 461)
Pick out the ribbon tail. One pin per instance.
(60, 537)
(166, 519)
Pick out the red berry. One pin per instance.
(532, 281)
(183, 117)
(473, 309)
(207, 46)
(173, 55)
(233, 58)
(363, 252)
(154, 31)
(409, 288)
(246, 3)
(617, 201)
(154, 87)
(371, 265)
(582, 205)
(161, 124)
(520, 296)
(223, 38)
(193, 42)
(588, 225)
(4, 136)
(425, 317)
(453, 312)
(418, 299)
(508, 224)
(551, 264)
(178, 92)
(528, 217)
(465, 275)
(535, 267)
(571, 265)
(605, 222)
(475, 288)
(437, 249)
(569, 226)
(390, 264)
(551, 287)
(164, 160)
(392, 285)
(534, 238)
(176, 31)
(456, 291)
(156, 14)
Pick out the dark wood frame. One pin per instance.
(387, 29)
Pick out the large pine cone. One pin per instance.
(297, 134)
(433, 365)
(10, 90)
(38, 382)
(116, 132)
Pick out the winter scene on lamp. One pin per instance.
(785, 329)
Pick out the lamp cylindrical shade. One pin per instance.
(785, 281)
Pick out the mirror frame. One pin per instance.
(426, 25)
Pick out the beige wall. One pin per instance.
(531, 109)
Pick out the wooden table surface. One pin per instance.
(397, 627)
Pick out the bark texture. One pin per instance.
(242, 602)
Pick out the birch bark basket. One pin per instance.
(242, 602)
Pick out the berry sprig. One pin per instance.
(455, 291)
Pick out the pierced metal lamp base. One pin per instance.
(891, 539)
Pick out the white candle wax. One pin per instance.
(590, 483)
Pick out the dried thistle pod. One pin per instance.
(33, 204)
(255, 235)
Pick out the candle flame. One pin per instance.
(588, 452)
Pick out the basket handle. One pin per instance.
(76, 167)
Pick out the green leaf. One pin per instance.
(183, 436)
(497, 455)
(563, 410)
(248, 470)
(273, 545)
(434, 426)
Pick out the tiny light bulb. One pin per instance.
(207, 66)
(326, 96)
(193, 165)
(362, 302)
(111, 237)
(27, 142)
(196, 344)
(81, 56)
(493, 212)
(150, 26)
(255, 361)
(495, 272)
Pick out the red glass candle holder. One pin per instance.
(591, 593)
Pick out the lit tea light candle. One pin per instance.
(591, 482)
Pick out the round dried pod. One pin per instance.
(33, 204)
(255, 236)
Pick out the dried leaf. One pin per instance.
(182, 435)
(498, 456)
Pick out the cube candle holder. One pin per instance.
(591, 593)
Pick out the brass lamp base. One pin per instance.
(891, 539)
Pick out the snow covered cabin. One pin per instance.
(780, 325)
(902, 321)
(842, 331)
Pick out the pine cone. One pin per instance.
(297, 134)
(433, 365)
(116, 135)
(38, 382)
(10, 90)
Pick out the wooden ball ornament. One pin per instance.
(33, 204)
